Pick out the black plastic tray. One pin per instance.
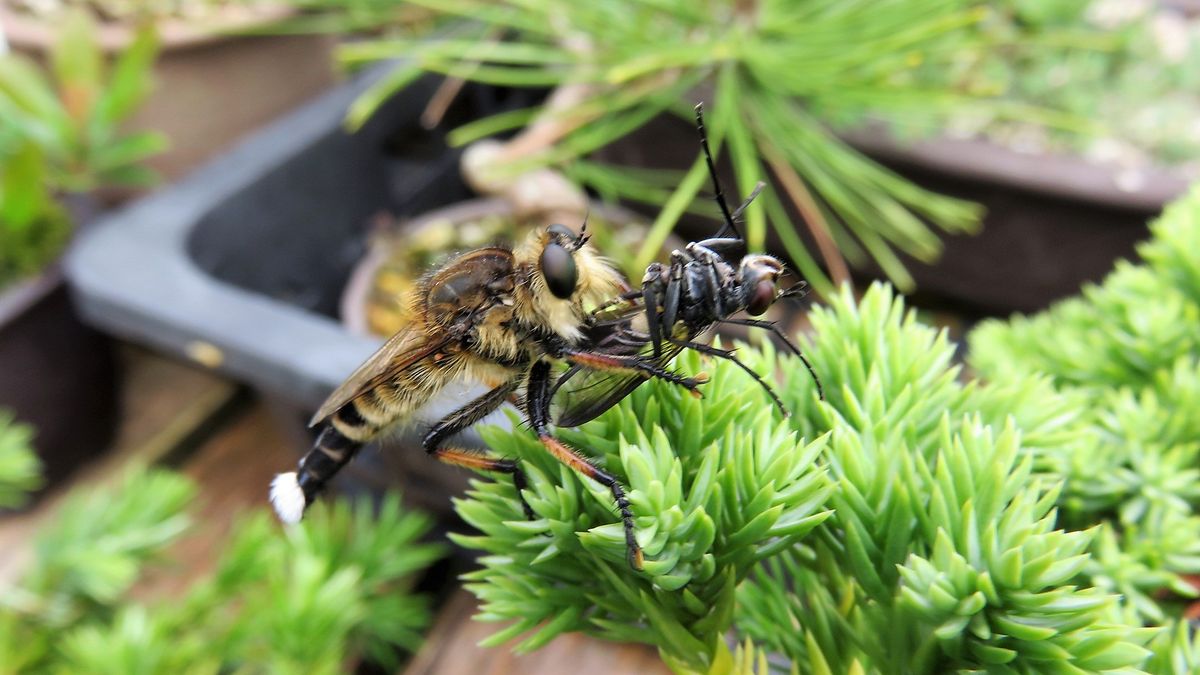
(239, 266)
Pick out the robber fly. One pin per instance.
(704, 285)
(494, 315)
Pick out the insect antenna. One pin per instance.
(729, 225)
(737, 213)
(797, 290)
(583, 235)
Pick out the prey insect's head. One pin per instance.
(759, 276)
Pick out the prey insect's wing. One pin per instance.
(581, 394)
(404, 349)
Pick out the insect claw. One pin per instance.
(700, 378)
(636, 559)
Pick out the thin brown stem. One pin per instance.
(793, 184)
(440, 102)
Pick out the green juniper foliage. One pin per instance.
(1037, 521)
(716, 485)
(1138, 471)
(333, 589)
(19, 466)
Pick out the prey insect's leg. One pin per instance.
(538, 402)
(292, 493)
(466, 416)
(650, 284)
(644, 367)
(771, 326)
(674, 288)
(729, 355)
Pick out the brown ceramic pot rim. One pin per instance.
(353, 296)
(1059, 175)
(32, 33)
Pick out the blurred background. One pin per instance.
(209, 209)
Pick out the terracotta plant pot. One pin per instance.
(212, 85)
(59, 376)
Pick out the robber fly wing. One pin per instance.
(403, 350)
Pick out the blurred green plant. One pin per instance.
(1128, 352)
(60, 134)
(1041, 520)
(19, 466)
(777, 76)
(334, 590)
(132, 10)
(1131, 69)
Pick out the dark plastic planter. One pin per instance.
(59, 376)
(240, 266)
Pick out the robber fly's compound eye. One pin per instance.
(762, 298)
(562, 231)
(558, 268)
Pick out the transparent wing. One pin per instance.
(401, 351)
(581, 394)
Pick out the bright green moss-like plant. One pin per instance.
(1040, 520)
(332, 591)
(927, 534)
(1129, 351)
(19, 466)
(716, 485)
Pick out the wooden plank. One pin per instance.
(233, 470)
(452, 647)
(163, 403)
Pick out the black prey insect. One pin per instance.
(703, 286)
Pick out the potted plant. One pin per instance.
(59, 142)
(217, 76)
(958, 71)
(1110, 139)
(615, 86)
(1042, 519)
(322, 598)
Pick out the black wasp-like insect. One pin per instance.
(703, 286)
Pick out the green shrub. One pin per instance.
(60, 134)
(1036, 521)
(331, 591)
(19, 467)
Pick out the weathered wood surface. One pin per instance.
(452, 648)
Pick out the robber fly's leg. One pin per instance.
(635, 364)
(538, 409)
(729, 355)
(466, 416)
(771, 326)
